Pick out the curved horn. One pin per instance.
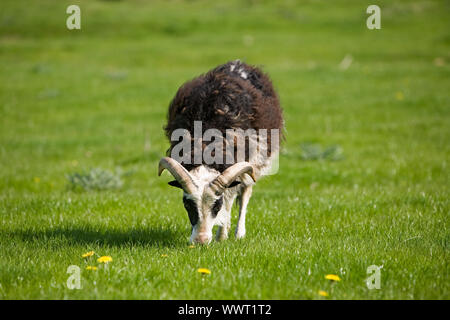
(179, 173)
(229, 175)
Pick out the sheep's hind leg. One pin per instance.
(222, 232)
(244, 198)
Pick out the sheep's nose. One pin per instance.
(202, 238)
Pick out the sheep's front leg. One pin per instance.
(244, 198)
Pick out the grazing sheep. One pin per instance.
(235, 100)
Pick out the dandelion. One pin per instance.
(323, 293)
(88, 254)
(191, 246)
(203, 271)
(93, 268)
(104, 259)
(332, 277)
(439, 62)
(399, 96)
(164, 255)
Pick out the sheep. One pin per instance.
(232, 99)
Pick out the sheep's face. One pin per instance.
(205, 209)
(206, 197)
(203, 214)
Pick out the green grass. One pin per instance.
(71, 101)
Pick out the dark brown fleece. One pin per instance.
(223, 99)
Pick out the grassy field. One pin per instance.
(72, 101)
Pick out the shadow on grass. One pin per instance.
(154, 237)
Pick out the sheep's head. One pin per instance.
(203, 195)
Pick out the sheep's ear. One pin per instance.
(233, 184)
(175, 184)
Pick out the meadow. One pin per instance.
(363, 177)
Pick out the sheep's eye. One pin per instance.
(191, 208)
(217, 206)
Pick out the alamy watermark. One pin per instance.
(374, 280)
(374, 20)
(74, 280)
(234, 145)
(74, 20)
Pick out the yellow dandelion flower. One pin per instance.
(88, 254)
(164, 255)
(91, 268)
(323, 293)
(204, 271)
(399, 96)
(332, 277)
(191, 246)
(440, 62)
(104, 259)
